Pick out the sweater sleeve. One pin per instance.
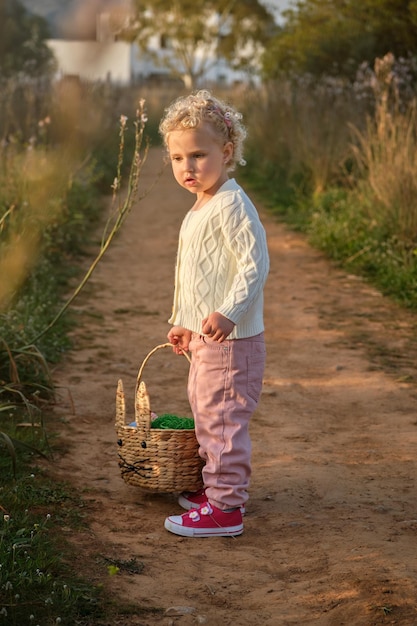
(245, 237)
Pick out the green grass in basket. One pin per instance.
(172, 421)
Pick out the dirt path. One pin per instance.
(331, 530)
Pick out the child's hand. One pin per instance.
(180, 338)
(217, 327)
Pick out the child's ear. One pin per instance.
(227, 152)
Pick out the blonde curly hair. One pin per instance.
(190, 111)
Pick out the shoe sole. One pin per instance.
(186, 531)
(187, 505)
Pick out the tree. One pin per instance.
(196, 34)
(335, 36)
(23, 47)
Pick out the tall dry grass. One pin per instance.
(339, 161)
(48, 199)
(386, 155)
(299, 130)
(33, 200)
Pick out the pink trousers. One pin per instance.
(224, 386)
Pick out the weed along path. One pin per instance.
(331, 526)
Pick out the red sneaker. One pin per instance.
(194, 499)
(207, 521)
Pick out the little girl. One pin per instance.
(222, 265)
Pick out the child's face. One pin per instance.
(199, 160)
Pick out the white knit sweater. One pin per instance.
(222, 264)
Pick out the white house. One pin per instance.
(112, 62)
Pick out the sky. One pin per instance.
(277, 6)
(280, 4)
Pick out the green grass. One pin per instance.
(37, 584)
(40, 581)
(341, 226)
(338, 223)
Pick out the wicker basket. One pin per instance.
(156, 459)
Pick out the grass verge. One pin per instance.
(39, 583)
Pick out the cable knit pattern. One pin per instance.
(222, 264)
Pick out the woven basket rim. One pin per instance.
(160, 430)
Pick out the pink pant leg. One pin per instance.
(224, 386)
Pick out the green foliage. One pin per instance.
(40, 582)
(334, 37)
(212, 29)
(23, 47)
(340, 225)
(36, 583)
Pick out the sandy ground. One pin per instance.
(331, 527)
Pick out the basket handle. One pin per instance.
(148, 356)
(142, 403)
